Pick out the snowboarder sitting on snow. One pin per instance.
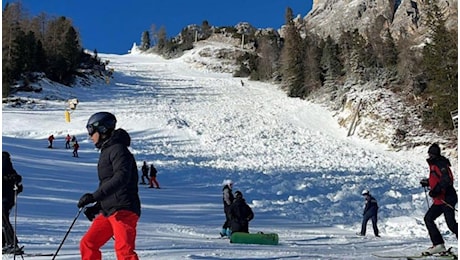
(228, 200)
(240, 214)
(370, 212)
(11, 187)
(444, 197)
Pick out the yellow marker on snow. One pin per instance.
(67, 116)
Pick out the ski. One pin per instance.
(446, 255)
(38, 254)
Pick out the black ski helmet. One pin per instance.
(101, 122)
(434, 150)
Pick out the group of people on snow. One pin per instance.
(70, 142)
(114, 207)
(238, 214)
(153, 175)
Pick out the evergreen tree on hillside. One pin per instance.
(145, 41)
(292, 58)
(440, 57)
(331, 66)
(312, 67)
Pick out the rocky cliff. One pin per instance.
(404, 18)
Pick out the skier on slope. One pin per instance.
(440, 183)
(370, 212)
(118, 207)
(228, 200)
(153, 177)
(145, 172)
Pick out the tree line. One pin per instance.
(39, 44)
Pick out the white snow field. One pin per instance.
(296, 167)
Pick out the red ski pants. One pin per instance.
(121, 225)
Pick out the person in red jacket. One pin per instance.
(440, 183)
(50, 141)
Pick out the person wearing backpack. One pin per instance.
(11, 187)
(442, 191)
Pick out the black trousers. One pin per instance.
(8, 236)
(373, 217)
(432, 214)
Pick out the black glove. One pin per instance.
(85, 200)
(91, 212)
(424, 183)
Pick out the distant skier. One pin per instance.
(440, 183)
(50, 141)
(370, 212)
(11, 187)
(75, 149)
(153, 177)
(240, 214)
(228, 200)
(67, 141)
(145, 173)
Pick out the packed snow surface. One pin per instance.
(296, 167)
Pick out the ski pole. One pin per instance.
(450, 206)
(68, 231)
(426, 197)
(15, 243)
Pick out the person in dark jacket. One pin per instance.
(227, 197)
(240, 214)
(145, 172)
(117, 209)
(11, 187)
(370, 212)
(441, 185)
(153, 177)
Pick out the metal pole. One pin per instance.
(426, 197)
(450, 206)
(15, 243)
(68, 231)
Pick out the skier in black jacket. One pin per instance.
(116, 197)
(11, 187)
(370, 212)
(240, 214)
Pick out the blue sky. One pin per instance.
(113, 26)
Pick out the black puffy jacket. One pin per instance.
(10, 178)
(117, 172)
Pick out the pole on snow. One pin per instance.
(66, 234)
(15, 243)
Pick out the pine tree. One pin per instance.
(441, 69)
(292, 55)
(145, 41)
(331, 66)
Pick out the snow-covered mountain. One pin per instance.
(291, 159)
